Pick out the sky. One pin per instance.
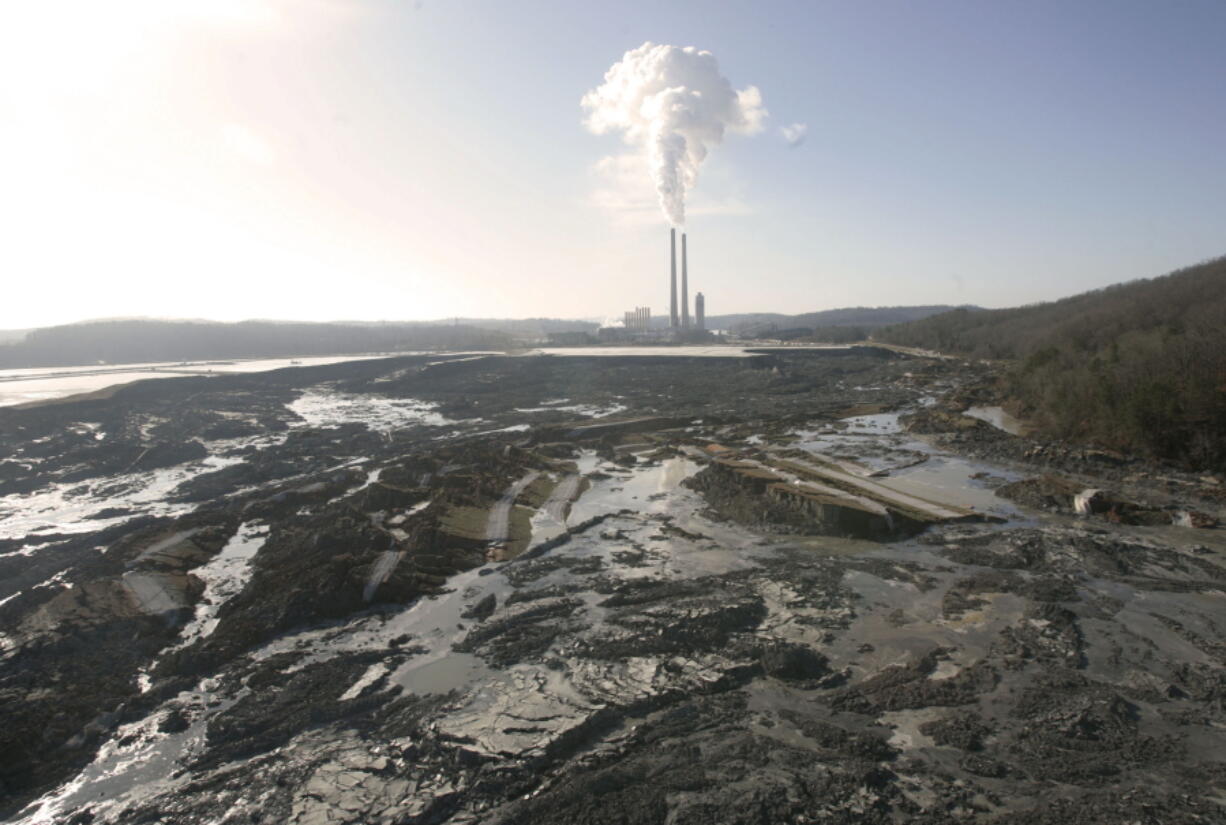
(392, 159)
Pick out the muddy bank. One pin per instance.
(545, 590)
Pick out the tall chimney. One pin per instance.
(685, 288)
(672, 258)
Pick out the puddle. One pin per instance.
(324, 409)
(442, 675)
(998, 418)
(19, 386)
(947, 479)
(68, 508)
(643, 490)
(590, 410)
(224, 576)
(147, 765)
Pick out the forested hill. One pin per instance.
(864, 317)
(1140, 365)
(134, 341)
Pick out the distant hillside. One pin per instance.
(531, 327)
(866, 318)
(126, 342)
(525, 328)
(1140, 365)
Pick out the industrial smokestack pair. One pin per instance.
(685, 287)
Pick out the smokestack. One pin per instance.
(700, 311)
(685, 288)
(672, 258)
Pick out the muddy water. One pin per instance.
(433, 625)
(27, 385)
(550, 521)
(380, 414)
(71, 508)
(137, 759)
(659, 352)
(527, 705)
(645, 489)
(224, 576)
(897, 460)
(949, 479)
(998, 418)
(74, 507)
(589, 410)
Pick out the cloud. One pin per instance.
(673, 105)
(795, 134)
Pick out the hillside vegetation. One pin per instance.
(1140, 366)
(120, 342)
(824, 322)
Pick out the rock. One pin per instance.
(483, 609)
(965, 731)
(1194, 518)
(1090, 501)
(174, 722)
(932, 420)
(1047, 492)
(793, 662)
(1052, 492)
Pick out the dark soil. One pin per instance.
(684, 654)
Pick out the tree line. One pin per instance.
(128, 342)
(1138, 366)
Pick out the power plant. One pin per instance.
(685, 288)
(682, 319)
(638, 319)
(672, 259)
(636, 323)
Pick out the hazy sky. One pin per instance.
(386, 159)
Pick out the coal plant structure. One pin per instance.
(678, 318)
(636, 323)
(672, 283)
(685, 288)
(638, 319)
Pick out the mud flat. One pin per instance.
(33, 386)
(754, 589)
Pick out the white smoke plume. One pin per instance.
(672, 103)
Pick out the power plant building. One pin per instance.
(636, 323)
(638, 319)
